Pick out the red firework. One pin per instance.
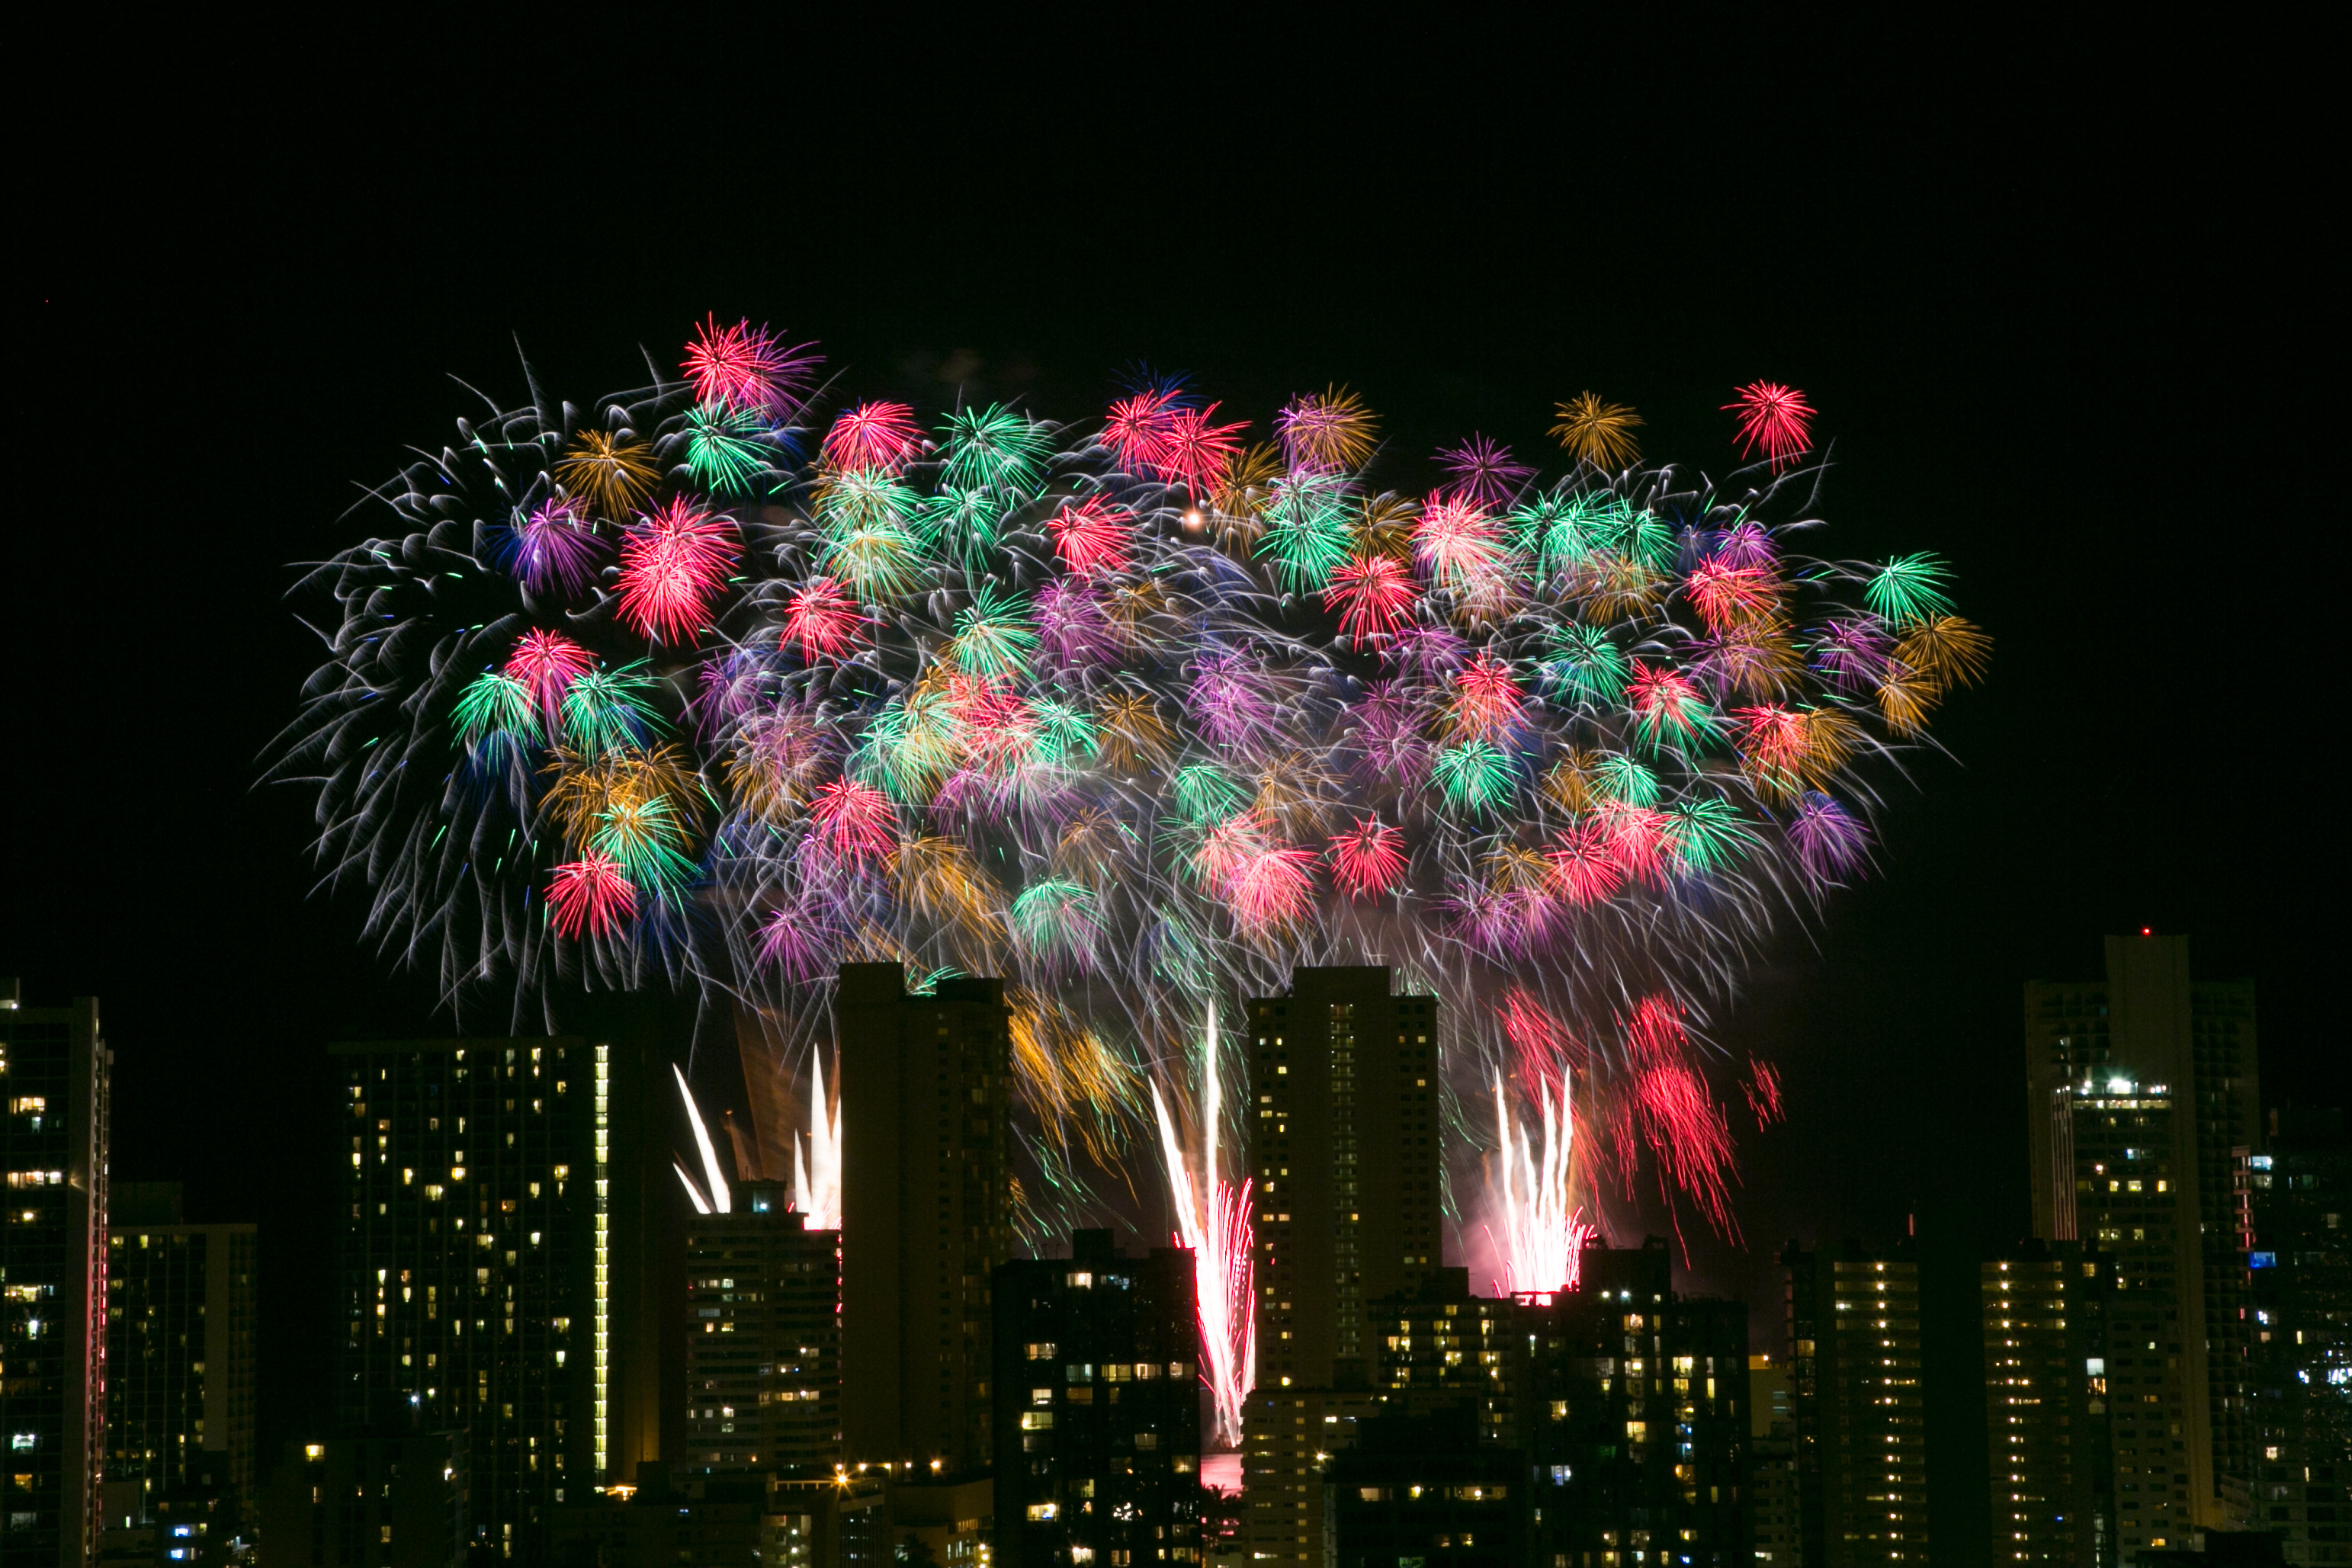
(1372, 597)
(1665, 706)
(880, 437)
(1727, 595)
(1486, 700)
(591, 895)
(1640, 842)
(1196, 454)
(1584, 866)
(1091, 535)
(743, 366)
(1776, 418)
(1763, 1090)
(1140, 429)
(1456, 541)
(821, 618)
(1774, 744)
(548, 662)
(853, 821)
(1368, 860)
(1541, 1045)
(673, 561)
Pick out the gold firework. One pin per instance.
(613, 472)
(1598, 433)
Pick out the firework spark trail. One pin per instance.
(1544, 1228)
(1213, 1219)
(817, 1158)
(1133, 715)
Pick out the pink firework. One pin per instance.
(591, 895)
(1674, 1113)
(548, 662)
(1272, 887)
(1212, 1218)
(800, 942)
(674, 562)
(1482, 470)
(1585, 868)
(1372, 596)
(1727, 595)
(1368, 860)
(1140, 429)
(1544, 1230)
(1640, 842)
(1071, 626)
(1487, 699)
(1195, 453)
(1457, 542)
(1091, 535)
(879, 437)
(853, 821)
(821, 618)
(1776, 418)
(745, 367)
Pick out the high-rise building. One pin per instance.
(1097, 1420)
(495, 1258)
(1289, 1437)
(179, 1349)
(387, 1500)
(1636, 1416)
(2169, 1061)
(1429, 1488)
(926, 1215)
(2302, 1363)
(2047, 1399)
(1854, 1322)
(1773, 1533)
(54, 1072)
(763, 1338)
(1345, 1149)
(1438, 1347)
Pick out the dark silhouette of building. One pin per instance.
(1097, 1409)
(1636, 1416)
(2143, 1107)
(926, 1214)
(2300, 1378)
(763, 1338)
(1773, 1531)
(386, 1501)
(2048, 1396)
(55, 1074)
(1429, 1488)
(181, 1328)
(1346, 1150)
(700, 1519)
(497, 1259)
(1856, 1364)
(1437, 1346)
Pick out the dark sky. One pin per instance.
(2062, 301)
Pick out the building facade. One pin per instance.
(1636, 1417)
(1097, 1420)
(2047, 1402)
(1773, 1516)
(55, 1076)
(763, 1338)
(1347, 1154)
(926, 1213)
(384, 1500)
(1289, 1438)
(181, 1326)
(1438, 1347)
(1428, 1487)
(2151, 1050)
(495, 1263)
(1857, 1372)
(2300, 1376)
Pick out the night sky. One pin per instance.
(2063, 322)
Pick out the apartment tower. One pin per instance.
(55, 1071)
(1346, 1152)
(2143, 1112)
(926, 1215)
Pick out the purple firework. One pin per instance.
(1072, 629)
(1482, 469)
(1829, 839)
(1853, 652)
(1745, 545)
(556, 547)
(1230, 701)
